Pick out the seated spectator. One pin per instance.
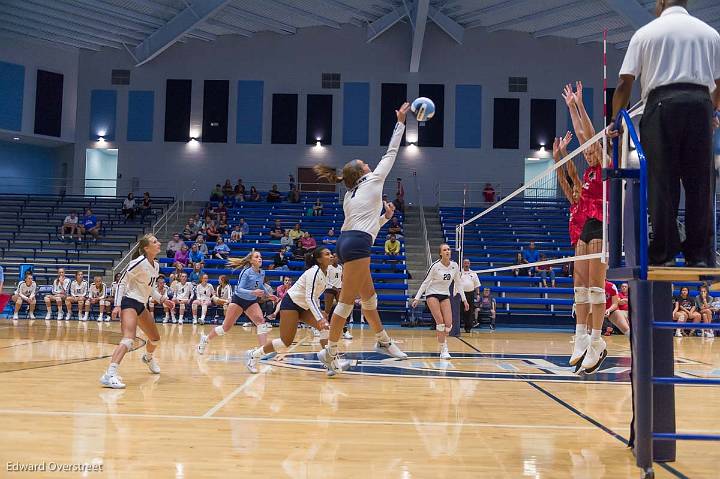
(202, 245)
(182, 257)
(128, 208)
(307, 243)
(70, 225)
(244, 227)
(236, 235)
(228, 191)
(212, 232)
(612, 311)
(221, 250)
(90, 225)
(684, 310)
(220, 210)
(25, 293)
(203, 222)
(145, 206)
(281, 259)
(291, 182)
(179, 269)
(296, 233)
(489, 193)
(174, 245)
(399, 203)
(223, 226)
(277, 231)
(254, 195)
(566, 270)
(286, 241)
(267, 305)
(703, 304)
(330, 238)
(392, 246)
(274, 195)
(216, 194)
(531, 255)
(545, 272)
(195, 255)
(317, 208)
(280, 292)
(197, 273)
(239, 190)
(521, 271)
(395, 228)
(486, 308)
(223, 292)
(187, 233)
(294, 195)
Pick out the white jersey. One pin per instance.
(138, 280)
(60, 286)
(307, 290)
(184, 291)
(161, 295)
(224, 292)
(78, 290)
(438, 279)
(25, 291)
(204, 291)
(469, 281)
(113, 289)
(362, 203)
(334, 276)
(96, 292)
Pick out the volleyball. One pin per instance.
(423, 108)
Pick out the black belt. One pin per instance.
(675, 87)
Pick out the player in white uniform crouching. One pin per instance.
(134, 290)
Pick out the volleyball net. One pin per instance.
(496, 238)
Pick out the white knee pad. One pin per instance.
(324, 333)
(343, 310)
(597, 295)
(127, 342)
(153, 342)
(440, 327)
(263, 328)
(219, 330)
(582, 295)
(370, 303)
(279, 346)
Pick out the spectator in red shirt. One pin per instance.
(612, 311)
(489, 193)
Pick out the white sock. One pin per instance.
(204, 311)
(595, 335)
(148, 356)
(382, 337)
(257, 353)
(112, 369)
(580, 329)
(332, 348)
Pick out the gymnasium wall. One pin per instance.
(258, 68)
(24, 168)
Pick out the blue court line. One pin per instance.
(589, 419)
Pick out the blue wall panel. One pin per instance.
(25, 168)
(468, 116)
(141, 108)
(249, 112)
(12, 86)
(356, 113)
(103, 104)
(588, 102)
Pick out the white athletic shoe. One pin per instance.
(678, 333)
(180, 321)
(152, 364)
(114, 382)
(444, 353)
(347, 335)
(15, 316)
(325, 358)
(194, 321)
(107, 318)
(390, 349)
(594, 357)
(60, 316)
(100, 319)
(202, 320)
(315, 332)
(251, 362)
(82, 318)
(85, 318)
(579, 350)
(202, 344)
(174, 320)
(48, 316)
(338, 365)
(32, 316)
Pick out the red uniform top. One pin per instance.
(622, 307)
(590, 204)
(610, 291)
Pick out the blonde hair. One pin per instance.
(238, 263)
(351, 173)
(142, 244)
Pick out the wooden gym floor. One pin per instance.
(505, 407)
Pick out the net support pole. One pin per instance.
(641, 338)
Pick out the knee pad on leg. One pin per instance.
(279, 346)
(219, 330)
(154, 342)
(127, 342)
(597, 295)
(324, 334)
(582, 295)
(370, 303)
(263, 328)
(440, 328)
(343, 310)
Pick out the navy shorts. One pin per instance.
(592, 230)
(129, 303)
(439, 297)
(243, 303)
(287, 304)
(353, 245)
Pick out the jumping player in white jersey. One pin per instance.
(134, 290)
(332, 292)
(436, 288)
(361, 205)
(204, 293)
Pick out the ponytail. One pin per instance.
(141, 245)
(238, 263)
(351, 173)
(312, 257)
(327, 173)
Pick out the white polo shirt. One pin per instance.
(674, 48)
(469, 281)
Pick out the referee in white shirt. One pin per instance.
(471, 289)
(677, 58)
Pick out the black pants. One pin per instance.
(468, 317)
(676, 134)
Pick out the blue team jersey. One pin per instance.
(249, 280)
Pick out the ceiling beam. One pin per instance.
(39, 41)
(231, 28)
(634, 13)
(549, 12)
(49, 26)
(26, 31)
(575, 24)
(466, 17)
(305, 13)
(384, 23)
(183, 23)
(447, 24)
(103, 8)
(157, 7)
(420, 11)
(597, 37)
(269, 23)
(356, 12)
